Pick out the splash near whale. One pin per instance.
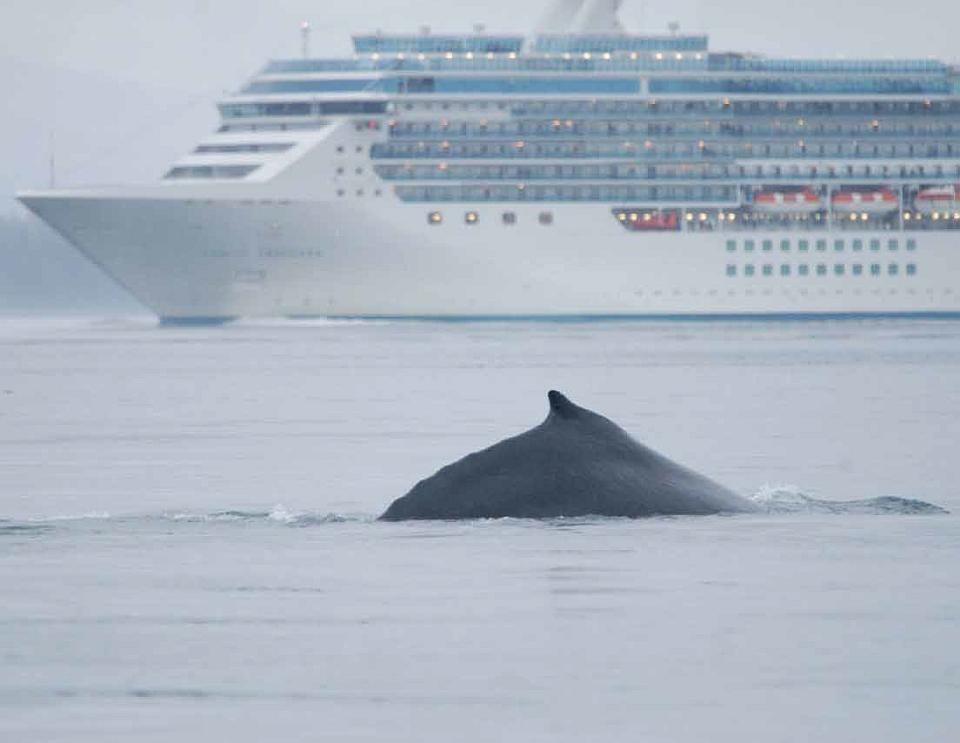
(575, 463)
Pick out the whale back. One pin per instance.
(575, 463)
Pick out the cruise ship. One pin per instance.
(577, 171)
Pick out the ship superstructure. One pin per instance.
(578, 171)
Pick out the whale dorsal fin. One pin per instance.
(561, 406)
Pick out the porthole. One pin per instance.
(546, 218)
(471, 217)
(509, 218)
(435, 218)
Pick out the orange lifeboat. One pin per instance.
(938, 199)
(795, 201)
(867, 201)
(641, 221)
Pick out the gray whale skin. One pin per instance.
(575, 463)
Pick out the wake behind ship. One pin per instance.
(579, 171)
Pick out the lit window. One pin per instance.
(509, 218)
(471, 218)
(435, 218)
(546, 218)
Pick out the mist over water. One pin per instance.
(189, 549)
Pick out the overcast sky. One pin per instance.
(119, 88)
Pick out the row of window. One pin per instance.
(524, 192)
(651, 150)
(726, 106)
(507, 218)
(804, 85)
(644, 172)
(301, 108)
(233, 148)
(596, 60)
(211, 171)
(803, 246)
(820, 269)
(795, 128)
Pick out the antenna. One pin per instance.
(674, 27)
(479, 28)
(305, 39)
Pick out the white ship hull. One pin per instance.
(212, 259)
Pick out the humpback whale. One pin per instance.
(575, 463)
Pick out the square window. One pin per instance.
(768, 245)
(874, 245)
(893, 244)
(838, 245)
(731, 270)
(874, 269)
(748, 246)
(857, 269)
(768, 270)
(858, 245)
(803, 269)
(785, 269)
(821, 269)
(911, 269)
(911, 245)
(839, 269)
(731, 246)
(803, 246)
(785, 245)
(821, 245)
(893, 269)
(749, 270)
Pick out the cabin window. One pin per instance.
(546, 218)
(435, 218)
(509, 218)
(471, 218)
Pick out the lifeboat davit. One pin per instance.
(803, 201)
(875, 201)
(938, 199)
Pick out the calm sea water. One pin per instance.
(188, 550)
